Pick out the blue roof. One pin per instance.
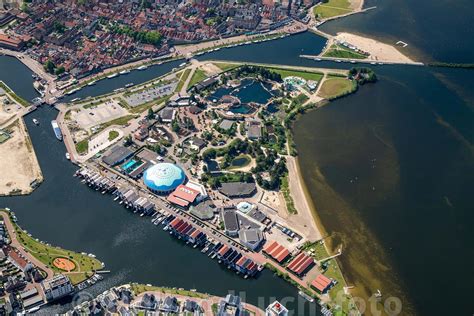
(163, 177)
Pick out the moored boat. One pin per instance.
(57, 130)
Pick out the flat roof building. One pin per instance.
(231, 222)
(251, 238)
(117, 155)
(276, 309)
(57, 287)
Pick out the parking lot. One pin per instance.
(104, 112)
(150, 94)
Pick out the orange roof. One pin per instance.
(321, 283)
(186, 193)
(268, 249)
(298, 259)
(176, 200)
(223, 250)
(13, 41)
(282, 255)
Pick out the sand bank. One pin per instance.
(19, 167)
(306, 219)
(378, 51)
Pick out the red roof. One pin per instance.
(183, 227)
(304, 265)
(188, 229)
(268, 249)
(223, 250)
(300, 263)
(296, 261)
(11, 252)
(183, 195)
(179, 225)
(175, 200)
(186, 193)
(241, 261)
(195, 233)
(282, 255)
(276, 251)
(321, 283)
(175, 221)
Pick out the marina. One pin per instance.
(174, 222)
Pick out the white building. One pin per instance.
(276, 309)
(57, 287)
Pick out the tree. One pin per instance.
(59, 70)
(49, 66)
(150, 114)
(175, 126)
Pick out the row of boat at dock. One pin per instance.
(175, 225)
(111, 76)
(241, 44)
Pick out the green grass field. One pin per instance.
(332, 8)
(336, 86)
(226, 66)
(182, 79)
(339, 51)
(82, 147)
(113, 135)
(140, 288)
(13, 95)
(307, 75)
(198, 76)
(85, 265)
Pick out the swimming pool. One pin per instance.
(130, 165)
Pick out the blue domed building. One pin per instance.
(163, 177)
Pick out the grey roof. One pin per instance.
(252, 237)
(231, 222)
(203, 210)
(236, 189)
(198, 142)
(257, 215)
(254, 131)
(226, 124)
(206, 83)
(116, 155)
(167, 114)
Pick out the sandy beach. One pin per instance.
(19, 165)
(378, 51)
(306, 219)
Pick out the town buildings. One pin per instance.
(276, 309)
(86, 37)
(57, 287)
